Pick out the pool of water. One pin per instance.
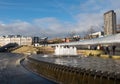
(97, 63)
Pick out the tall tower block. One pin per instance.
(109, 23)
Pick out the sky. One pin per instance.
(54, 18)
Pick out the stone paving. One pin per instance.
(11, 72)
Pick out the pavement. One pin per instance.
(12, 72)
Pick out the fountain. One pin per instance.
(75, 69)
(60, 50)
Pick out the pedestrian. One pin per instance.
(98, 47)
(113, 49)
(107, 50)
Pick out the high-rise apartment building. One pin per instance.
(109, 22)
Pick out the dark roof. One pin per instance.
(109, 12)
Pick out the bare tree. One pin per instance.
(72, 34)
(90, 31)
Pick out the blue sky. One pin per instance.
(31, 9)
(54, 17)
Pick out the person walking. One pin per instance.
(113, 49)
(107, 50)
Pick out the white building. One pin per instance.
(96, 35)
(18, 40)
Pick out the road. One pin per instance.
(11, 72)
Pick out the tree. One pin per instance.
(72, 34)
(91, 30)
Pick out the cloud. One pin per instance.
(115, 3)
(44, 26)
(93, 10)
(49, 26)
(91, 6)
(85, 21)
(53, 26)
(14, 28)
(91, 16)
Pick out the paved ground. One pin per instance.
(11, 72)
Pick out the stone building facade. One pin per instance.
(118, 28)
(18, 40)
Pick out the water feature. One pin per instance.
(96, 63)
(78, 70)
(65, 68)
(60, 50)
